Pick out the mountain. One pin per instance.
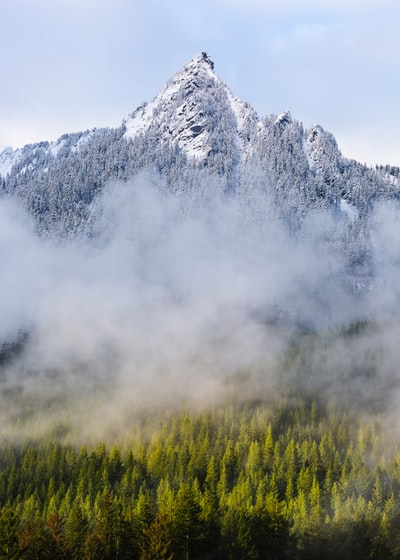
(194, 252)
(195, 130)
(192, 111)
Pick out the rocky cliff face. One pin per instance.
(191, 112)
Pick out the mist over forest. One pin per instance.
(190, 299)
(199, 326)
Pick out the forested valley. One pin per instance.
(295, 474)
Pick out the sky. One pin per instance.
(72, 65)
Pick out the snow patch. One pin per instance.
(140, 120)
(56, 146)
(284, 118)
(171, 98)
(84, 139)
(8, 158)
(241, 110)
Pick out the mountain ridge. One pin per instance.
(193, 131)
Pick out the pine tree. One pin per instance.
(76, 531)
(157, 541)
(9, 545)
(56, 548)
(187, 533)
(106, 526)
(32, 540)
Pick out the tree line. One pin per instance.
(295, 479)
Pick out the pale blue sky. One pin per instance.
(69, 65)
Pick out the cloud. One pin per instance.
(188, 299)
(173, 297)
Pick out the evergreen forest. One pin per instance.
(296, 476)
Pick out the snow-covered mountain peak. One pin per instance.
(196, 74)
(195, 132)
(202, 59)
(188, 110)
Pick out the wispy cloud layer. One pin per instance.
(175, 298)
